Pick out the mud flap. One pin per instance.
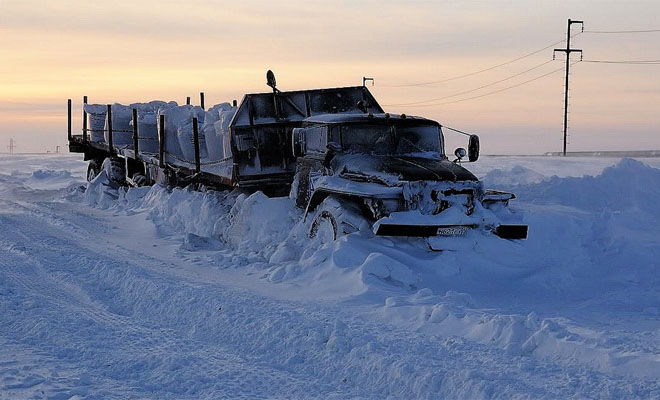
(511, 231)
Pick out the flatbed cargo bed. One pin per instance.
(259, 134)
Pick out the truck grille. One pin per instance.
(432, 198)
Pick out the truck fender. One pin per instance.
(319, 195)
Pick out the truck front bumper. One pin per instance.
(411, 223)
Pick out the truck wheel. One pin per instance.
(139, 179)
(300, 186)
(336, 218)
(115, 169)
(93, 169)
(324, 227)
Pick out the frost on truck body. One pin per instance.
(393, 169)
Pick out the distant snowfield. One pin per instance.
(173, 293)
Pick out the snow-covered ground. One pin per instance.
(173, 293)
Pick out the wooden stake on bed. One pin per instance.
(161, 142)
(84, 129)
(196, 143)
(68, 108)
(135, 133)
(109, 119)
(201, 99)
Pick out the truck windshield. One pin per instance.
(391, 139)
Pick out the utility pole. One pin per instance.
(568, 52)
(12, 145)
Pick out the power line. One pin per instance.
(475, 72)
(516, 59)
(495, 91)
(637, 62)
(639, 31)
(471, 90)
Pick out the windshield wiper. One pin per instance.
(411, 143)
(360, 177)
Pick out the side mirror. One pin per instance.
(473, 148)
(298, 142)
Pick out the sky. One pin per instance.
(130, 51)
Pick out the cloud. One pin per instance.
(131, 51)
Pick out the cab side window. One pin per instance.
(316, 139)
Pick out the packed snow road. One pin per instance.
(160, 293)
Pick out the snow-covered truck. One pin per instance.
(389, 174)
(345, 161)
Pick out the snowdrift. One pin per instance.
(593, 249)
(48, 179)
(174, 293)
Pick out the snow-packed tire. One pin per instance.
(93, 169)
(300, 186)
(139, 179)
(115, 169)
(335, 218)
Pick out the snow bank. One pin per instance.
(48, 179)
(223, 295)
(594, 237)
(257, 224)
(629, 185)
(517, 175)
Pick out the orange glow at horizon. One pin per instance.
(128, 52)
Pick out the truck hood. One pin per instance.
(388, 168)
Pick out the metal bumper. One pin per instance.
(503, 231)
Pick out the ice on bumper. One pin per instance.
(443, 209)
(450, 222)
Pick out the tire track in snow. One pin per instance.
(342, 356)
(146, 342)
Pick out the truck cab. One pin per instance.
(390, 173)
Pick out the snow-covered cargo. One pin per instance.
(179, 143)
(247, 146)
(122, 132)
(216, 131)
(96, 121)
(147, 126)
(148, 132)
(178, 131)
